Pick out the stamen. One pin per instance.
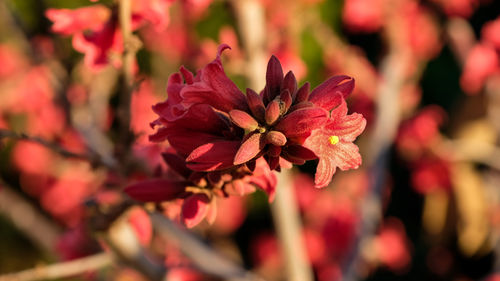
(333, 140)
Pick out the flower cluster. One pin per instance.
(225, 142)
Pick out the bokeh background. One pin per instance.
(425, 204)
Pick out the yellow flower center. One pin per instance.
(333, 140)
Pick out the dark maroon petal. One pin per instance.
(273, 162)
(272, 112)
(276, 138)
(185, 141)
(176, 163)
(213, 156)
(292, 159)
(303, 93)
(286, 100)
(328, 95)
(243, 120)
(274, 77)
(301, 122)
(202, 118)
(188, 76)
(301, 105)
(156, 190)
(249, 149)
(194, 209)
(274, 151)
(160, 135)
(215, 89)
(298, 151)
(256, 105)
(290, 84)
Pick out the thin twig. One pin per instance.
(288, 227)
(131, 45)
(28, 219)
(93, 158)
(123, 241)
(62, 270)
(203, 257)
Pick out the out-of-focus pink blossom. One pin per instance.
(430, 174)
(32, 158)
(460, 8)
(421, 131)
(491, 33)
(363, 15)
(154, 12)
(231, 213)
(422, 31)
(481, 62)
(68, 22)
(392, 246)
(100, 45)
(12, 61)
(194, 9)
(141, 224)
(183, 274)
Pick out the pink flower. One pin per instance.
(392, 245)
(481, 62)
(154, 12)
(491, 33)
(69, 22)
(363, 15)
(333, 143)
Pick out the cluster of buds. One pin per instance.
(226, 142)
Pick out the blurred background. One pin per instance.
(425, 204)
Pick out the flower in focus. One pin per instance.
(224, 142)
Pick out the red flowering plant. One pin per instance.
(226, 142)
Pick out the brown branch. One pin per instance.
(203, 257)
(131, 44)
(93, 158)
(288, 227)
(28, 219)
(123, 241)
(61, 270)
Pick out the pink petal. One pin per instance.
(249, 149)
(194, 209)
(347, 127)
(276, 138)
(243, 120)
(272, 112)
(156, 190)
(264, 178)
(213, 156)
(301, 122)
(328, 95)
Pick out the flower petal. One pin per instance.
(274, 78)
(194, 209)
(156, 190)
(249, 148)
(214, 89)
(328, 95)
(301, 122)
(213, 156)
